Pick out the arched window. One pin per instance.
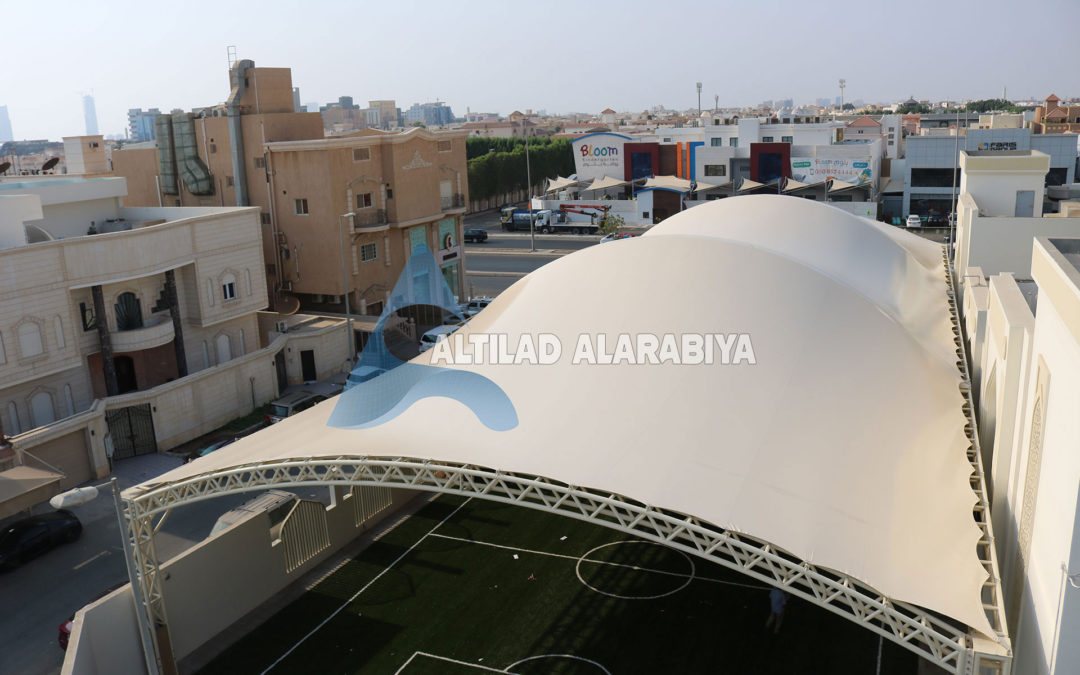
(228, 286)
(42, 409)
(205, 355)
(243, 342)
(69, 401)
(30, 342)
(128, 312)
(247, 281)
(13, 427)
(224, 349)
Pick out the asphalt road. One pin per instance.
(40, 595)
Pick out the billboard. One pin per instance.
(599, 155)
(817, 169)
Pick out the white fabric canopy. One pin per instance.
(844, 444)
(837, 185)
(748, 184)
(675, 183)
(604, 183)
(560, 183)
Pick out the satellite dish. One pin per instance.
(50, 163)
(286, 304)
(4, 166)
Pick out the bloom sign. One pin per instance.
(817, 169)
(599, 155)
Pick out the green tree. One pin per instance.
(849, 106)
(610, 223)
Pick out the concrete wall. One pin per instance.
(207, 589)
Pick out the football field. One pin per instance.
(472, 587)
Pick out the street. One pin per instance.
(40, 595)
(494, 266)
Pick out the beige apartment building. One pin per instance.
(254, 150)
(388, 192)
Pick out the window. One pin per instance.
(301, 207)
(213, 148)
(30, 342)
(933, 178)
(247, 281)
(42, 409)
(363, 201)
(361, 154)
(58, 325)
(445, 146)
(667, 140)
(369, 252)
(87, 314)
(128, 312)
(228, 181)
(715, 170)
(223, 347)
(733, 142)
(389, 192)
(13, 427)
(766, 139)
(716, 142)
(228, 287)
(265, 218)
(260, 162)
(210, 292)
(787, 139)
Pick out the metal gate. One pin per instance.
(132, 431)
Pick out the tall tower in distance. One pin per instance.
(90, 115)
(5, 126)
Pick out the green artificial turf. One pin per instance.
(451, 602)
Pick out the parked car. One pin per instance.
(202, 452)
(935, 220)
(30, 537)
(365, 373)
(472, 307)
(290, 404)
(914, 220)
(614, 236)
(435, 335)
(475, 235)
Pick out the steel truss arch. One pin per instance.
(940, 641)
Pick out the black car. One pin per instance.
(475, 235)
(30, 537)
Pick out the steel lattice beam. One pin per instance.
(931, 637)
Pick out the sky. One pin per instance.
(553, 55)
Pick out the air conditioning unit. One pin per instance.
(335, 299)
(282, 327)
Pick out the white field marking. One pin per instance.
(366, 586)
(604, 562)
(583, 558)
(90, 560)
(558, 656)
(448, 660)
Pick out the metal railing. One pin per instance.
(454, 201)
(304, 533)
(368, 218)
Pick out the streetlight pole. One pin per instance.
(699, 102)
(351, 339)
(80, 496)
(528, 191)
(843, 83)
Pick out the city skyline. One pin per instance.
(578, 64)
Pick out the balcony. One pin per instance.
(154, 333)
(368, 218)
(455, 201)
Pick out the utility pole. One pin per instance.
(528, 193)
(716, 104)
(699, 99)
(843, 83)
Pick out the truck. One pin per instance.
(545, 221)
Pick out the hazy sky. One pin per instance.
(553, 55)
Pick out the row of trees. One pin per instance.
(497, 165)
(983, 106)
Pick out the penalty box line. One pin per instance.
(365, 587)
(576, 558)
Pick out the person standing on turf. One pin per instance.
(777, 604)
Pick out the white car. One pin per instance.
(914, 220)
(436, 335)
(472, 307)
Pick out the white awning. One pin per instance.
(843, 445)
(748, 184)
(24, 486)
(605, 183)
(560, 183)
(837, 185)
